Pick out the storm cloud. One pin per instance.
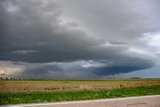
(77, 38)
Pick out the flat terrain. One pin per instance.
(34, 91)
(63, 85)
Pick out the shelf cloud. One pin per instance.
(78, 38)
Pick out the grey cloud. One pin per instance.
(36, 31)
(111, 19)
(75, 69)
(131, 65)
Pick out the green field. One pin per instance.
(34, 91)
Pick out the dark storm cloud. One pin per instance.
(76, 69)
(124, 68)
(35, 26)
(37, 32)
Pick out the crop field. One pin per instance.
(64, 85)
(33, 91)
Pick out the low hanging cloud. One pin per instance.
(73, 39)
(76, 69)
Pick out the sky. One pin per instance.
(80, 38)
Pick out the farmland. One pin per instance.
(69, 85)
(33, 91)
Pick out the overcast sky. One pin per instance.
(80, 38)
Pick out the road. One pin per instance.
(141, 101)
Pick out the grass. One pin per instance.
(54, 96)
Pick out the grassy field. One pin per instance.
(33, 91)
(63, 85)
